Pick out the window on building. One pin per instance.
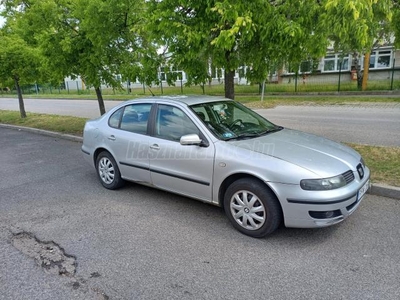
(380, 59)
(305, 67)
(216, 73)
(163, 77)
(336, 62)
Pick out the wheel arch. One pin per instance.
(97, 152)
(234, 177)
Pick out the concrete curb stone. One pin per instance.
(376, 188)
(385, 191)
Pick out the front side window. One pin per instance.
(172, 123)
(230, 120)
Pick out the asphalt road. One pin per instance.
(377, 124)
(140, 243)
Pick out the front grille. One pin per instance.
(348, 176)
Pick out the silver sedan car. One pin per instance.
(221, 152)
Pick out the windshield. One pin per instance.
(229, 120)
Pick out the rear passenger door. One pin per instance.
(128, 141)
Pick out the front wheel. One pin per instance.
(108, 172)
(252, 208)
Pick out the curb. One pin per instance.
(385, 191)
(69, 137)
(376, 188)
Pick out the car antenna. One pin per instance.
(150, 91)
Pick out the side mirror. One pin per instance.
(191, 139)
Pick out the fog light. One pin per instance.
(325, 214)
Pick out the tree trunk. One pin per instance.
(100, 100)
(20, 99)
(229, 84)
(367, 57)
(356, 58)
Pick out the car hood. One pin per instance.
(323, 157)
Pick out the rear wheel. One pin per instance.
(108, 172)
(252, 208)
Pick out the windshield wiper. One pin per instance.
(243, 136)
(253, 134)
(277, 128)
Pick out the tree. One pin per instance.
(396, 22)
(291, 34)
(256, 33)
(87, 38)
(18, 62)
(358, 26)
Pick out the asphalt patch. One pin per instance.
(48, 255)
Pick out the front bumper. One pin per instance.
(312, 209)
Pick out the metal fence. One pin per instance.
(379, 80)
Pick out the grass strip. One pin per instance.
(384, 162)
(63, 124)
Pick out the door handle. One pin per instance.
(111, 138)
(155, 147)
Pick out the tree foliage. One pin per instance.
(257, 33)
(395, 28)
(19, 63)
(87, 38)
(99, 39)
(357, 27)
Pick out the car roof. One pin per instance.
(188, 100)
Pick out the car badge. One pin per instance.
(360, 171)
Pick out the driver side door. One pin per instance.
(184, 169)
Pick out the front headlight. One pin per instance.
(323, 184)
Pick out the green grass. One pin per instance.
(63, 124)
(272, 101)
(384, 162)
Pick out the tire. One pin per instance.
(108, 171)
(252, 208)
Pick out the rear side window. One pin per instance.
(135, 117)
(131, 118)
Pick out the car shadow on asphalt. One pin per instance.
(192, 213)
